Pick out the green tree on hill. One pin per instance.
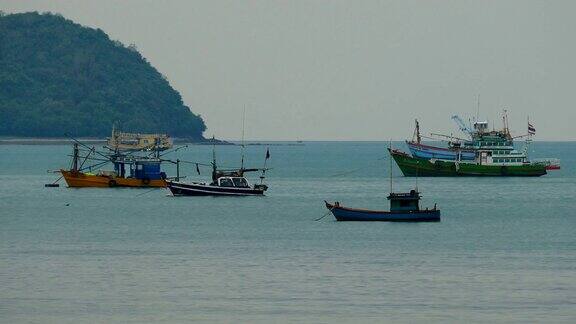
(57, 76)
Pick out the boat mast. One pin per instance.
(264, 168)
(243, 146)
(115, 139)
(528, 139)
(478, 107)
(506, 126)
(75, 158)
(504, 119)
(417, 132)
(213, 158)
(390, 166)
(157, 147)
(530, 134)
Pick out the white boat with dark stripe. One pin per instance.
(223, 186)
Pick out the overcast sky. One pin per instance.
(351, 70)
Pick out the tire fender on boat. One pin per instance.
(112, 183)
(146, 181)
(437, 164)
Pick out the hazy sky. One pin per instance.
(351, 70)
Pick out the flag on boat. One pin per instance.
(267, 154)
(531, 129)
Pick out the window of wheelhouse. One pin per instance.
(226, 182)
(240, 182)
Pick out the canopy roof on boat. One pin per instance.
(412, 195)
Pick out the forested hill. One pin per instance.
(59, 77)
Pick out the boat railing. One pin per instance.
(546, 161)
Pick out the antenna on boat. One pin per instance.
(478, 107)
(213, 157)
(243, 146)
(390, 165)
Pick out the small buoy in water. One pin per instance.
(51, 185)
(67, 204)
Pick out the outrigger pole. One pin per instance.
(176, 149)
(75, 158)
(446, 136)
(108, 159)
(86, 146)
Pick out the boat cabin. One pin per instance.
(140, 169)
(405, 201)
(147, 170)
(232, 182)
(511, 158)
(481, 126)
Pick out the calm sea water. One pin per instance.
(505, 250)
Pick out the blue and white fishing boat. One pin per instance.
(454, 152)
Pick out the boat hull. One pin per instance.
(432, 152)
(197, 189)
(413, 166)
(345, 214)
(83, 180)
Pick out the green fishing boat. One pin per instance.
(486, 153)
(487, 165)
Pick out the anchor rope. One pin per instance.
(326, 214)
(148, 191)
(357, 169)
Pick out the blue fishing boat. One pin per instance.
(404, 207)
(452, 153)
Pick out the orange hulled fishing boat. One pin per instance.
(129, 170)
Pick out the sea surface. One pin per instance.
(505, 250)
